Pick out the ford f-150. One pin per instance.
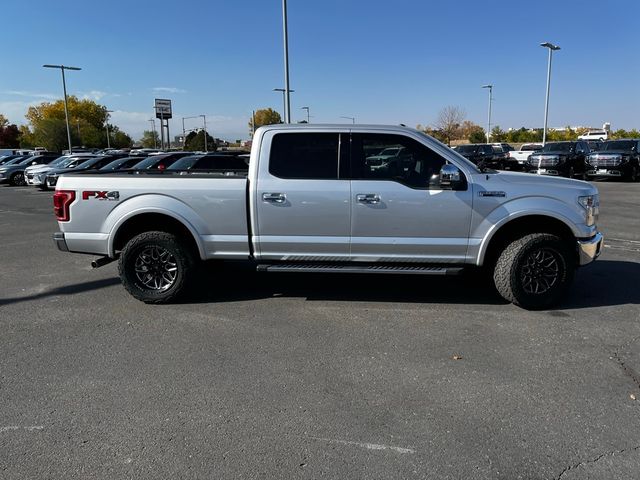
(311, 201)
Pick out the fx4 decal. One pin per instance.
(88, 194)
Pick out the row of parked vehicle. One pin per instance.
(42, 169)
(572, 159)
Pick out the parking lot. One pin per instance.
(314, 376)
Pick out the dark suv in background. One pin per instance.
(615, 158)
(566, 159)
(485, 154)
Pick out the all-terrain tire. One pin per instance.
(156, 267)
(535, 271)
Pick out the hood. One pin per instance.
(553, 152)
(612, 152)
(536, 183)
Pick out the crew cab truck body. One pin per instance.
(311, 201)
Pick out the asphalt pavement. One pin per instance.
(314, 376)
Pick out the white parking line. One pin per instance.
(31, 428)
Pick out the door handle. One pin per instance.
(274, 197)
(368, 198)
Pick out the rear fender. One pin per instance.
(159, 204)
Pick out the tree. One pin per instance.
(477, 136)
(150, 139)
(117, 138)
(497, 135)
(9, 134)
(86, 121)
(449, 121)
(195, 142)
(265, 116)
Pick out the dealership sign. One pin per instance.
(163, 108)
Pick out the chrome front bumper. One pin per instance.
(590, 249)
(60, 242)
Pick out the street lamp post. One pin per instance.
(107, 124)
(204, 119)
(490, 87)
(551, 48)
(64, 88)
(308, 116)
(153, 130)
(285, 34)
(284, 99)
(353, 119)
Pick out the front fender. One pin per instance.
(154, 203)
(487, 224)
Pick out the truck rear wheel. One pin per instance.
(534, 271)
(155, 267)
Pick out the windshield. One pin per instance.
(390, 151)
(27, 160)
(113, 165)
(14, 161)
(530, 148)
(558, 147)
(619, 145)
(87, 163)
(185, 163)
(466, 149)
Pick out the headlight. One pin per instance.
(591, 205)
(625, 158)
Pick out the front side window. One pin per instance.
(311, 156)
(396, 158)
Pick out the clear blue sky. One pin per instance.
(378, 60)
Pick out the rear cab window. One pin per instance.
(309, 156)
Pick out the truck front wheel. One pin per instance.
(155, 267)
(534, 271)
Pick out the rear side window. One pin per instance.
(312, 156)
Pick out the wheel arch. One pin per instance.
(153, 220)
(514, 228)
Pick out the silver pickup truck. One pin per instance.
(316, 198)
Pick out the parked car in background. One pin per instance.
(520, 156)
(484, 155)
(7, 158)
(617, 159)
(598, 135)
(160, 162)
(121, 164)
(35, 174)
(565, 159)
(13, 173)
(212, 162)
(92, 164)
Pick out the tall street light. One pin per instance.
(307, 109)
(353, 119)
(107, 124)
(551, 48)
(153, 130)
(284, 100)
(64, 88)
(204, 119)
(490, 87)
(285, 34)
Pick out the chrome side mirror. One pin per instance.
(450, 177)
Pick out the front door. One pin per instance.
(399, 213)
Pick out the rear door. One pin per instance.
(399, 212)
(302, 202)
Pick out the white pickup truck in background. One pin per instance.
(316, 198)
(522, 154)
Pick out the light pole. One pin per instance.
(490, 87)
(204, 119)
(353, 119)
(551, 48)
(285, 34)
(64, 88)
(284, 100)
(153, 130)
(307, 109)
(107, 124)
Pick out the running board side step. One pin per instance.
(396, 269)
